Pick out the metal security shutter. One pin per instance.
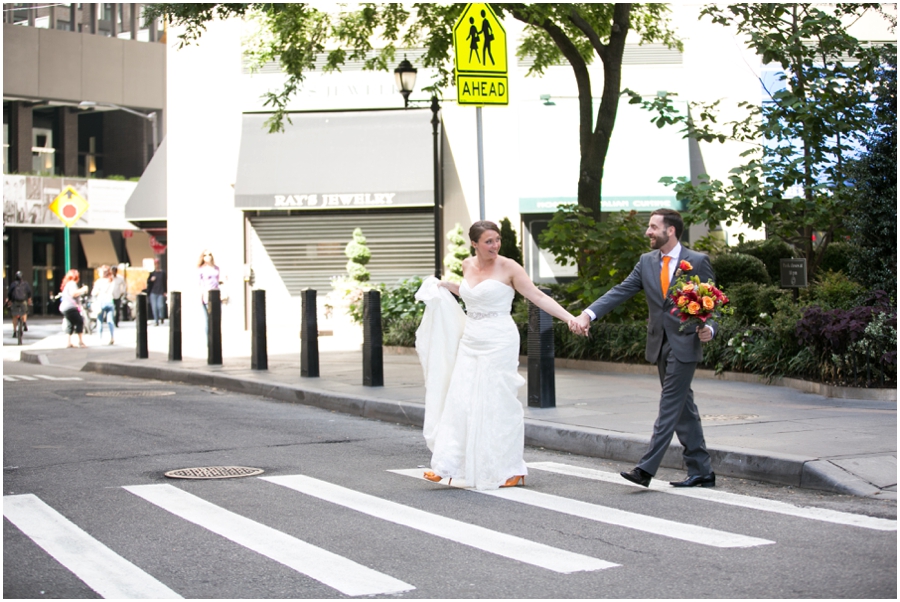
(308, 250)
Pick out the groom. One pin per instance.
(675, 353)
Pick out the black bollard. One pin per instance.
(259, 356)
(541, 375)
(309, 334)
(141, 325)
(373, 358)
(214, 336)
(175, 326)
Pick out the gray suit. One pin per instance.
(676, 355)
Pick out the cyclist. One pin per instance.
(19, 297)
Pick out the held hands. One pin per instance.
(705, 333)
(580, 325)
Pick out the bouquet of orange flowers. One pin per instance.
(695, 301)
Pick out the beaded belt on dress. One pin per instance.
(477, 315)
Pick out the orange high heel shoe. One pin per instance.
(434, 478)
(514, 481)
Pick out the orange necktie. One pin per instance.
(664, 276)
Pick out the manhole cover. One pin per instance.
(214, 472)
(141, 393)
(721, 417)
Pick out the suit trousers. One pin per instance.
(677, 414)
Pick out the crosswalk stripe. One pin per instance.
(46, 377)
(732, 499)
(502, 544)
(335, 571)
(96, 565)
(15, 377)
(614, 516)
(9, 377)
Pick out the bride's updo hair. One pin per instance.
(480, 227)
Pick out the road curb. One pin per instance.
(784, 469)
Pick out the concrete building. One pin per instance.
(83, 106)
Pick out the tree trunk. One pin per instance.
(595, 144)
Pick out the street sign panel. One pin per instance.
(69, 206)
(793, 273)
(479, 41)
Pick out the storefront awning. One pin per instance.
(639, 155)
(346, 160)
(98, 249)
(148, 203)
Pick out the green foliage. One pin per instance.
(794, 182)
(836, 257)
(770, 251)
(457, 250)
(359, 255)
(872, 214)
(750, 300)
(835, 290)
(734, 268)
(712, 244)
(509, 242)
(605, 253)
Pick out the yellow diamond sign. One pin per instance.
(481, 68)
(69, 206)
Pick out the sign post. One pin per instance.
(479, 42)
(68, 206)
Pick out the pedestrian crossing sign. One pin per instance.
(479, 41)
(69, 206)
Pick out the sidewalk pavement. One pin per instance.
(776, 434)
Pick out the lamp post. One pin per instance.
(405, 77)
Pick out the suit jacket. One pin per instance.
(645, 276)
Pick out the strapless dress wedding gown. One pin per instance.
(477, 430)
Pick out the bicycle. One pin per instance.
(20, 329)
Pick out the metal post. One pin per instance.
(480, 163)
(259, 356)
(541, 375)
(373, 358)
(174, 326)
(214, 336)
(435, 107)
(141, 348)
(68, 250)
(309, 334)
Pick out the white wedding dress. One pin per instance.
(474, 422)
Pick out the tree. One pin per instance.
(576, 33)
(458, 250)
(509, 242)
(358, 255)
(872, 214)
(795, 181)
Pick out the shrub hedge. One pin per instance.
(735, 268)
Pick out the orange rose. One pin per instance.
(682, 301)
(703, 289)
(685, 266)
(688, 287)
(693, 308)
(708, 303)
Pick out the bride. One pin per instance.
(474, 422)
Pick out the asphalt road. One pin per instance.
(89, 512)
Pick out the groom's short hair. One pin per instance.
(671, 218)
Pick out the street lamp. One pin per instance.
(405, 76)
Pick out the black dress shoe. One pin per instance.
(638, 475)
(696, 481)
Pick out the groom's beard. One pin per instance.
(659, 241)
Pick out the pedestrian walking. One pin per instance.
(70, 306)
(157, 288)
(102, 294)
(674, 352)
